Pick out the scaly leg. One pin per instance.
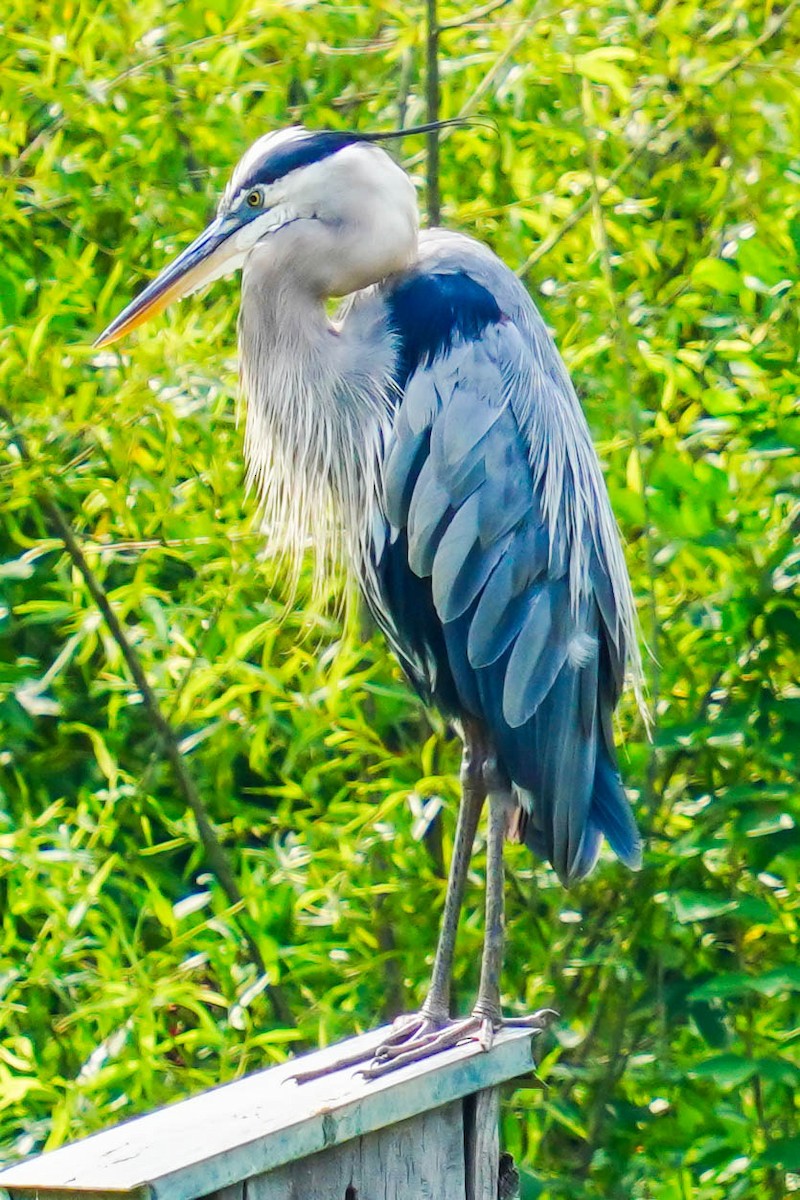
(473, 793)
(487, 1005)
(487, 1015)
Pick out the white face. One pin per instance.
(356, 208)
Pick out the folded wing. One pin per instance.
(499, 576)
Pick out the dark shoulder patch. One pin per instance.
(289, 154)
(429, 311)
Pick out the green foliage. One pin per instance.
(642, 160)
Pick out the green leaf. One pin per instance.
(727, 1070)
(771, 983)
(17, 568)
(718, 274)
(710, 1023)
(599, 66)
(699, 906)
(779, 1070)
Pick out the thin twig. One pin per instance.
(432, 111)
(477, 14)
(404, 85)
(144, 780)
(214, 851)
(179, 123)
(470, 105)
(129, 547)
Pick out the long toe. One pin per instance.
(537, 1020)
(412, 1031)
(347, 1062)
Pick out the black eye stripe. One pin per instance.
(290, 153)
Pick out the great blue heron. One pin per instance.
(432, 434)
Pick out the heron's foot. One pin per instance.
(419, 1037)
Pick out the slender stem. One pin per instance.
(488, 81)
(473, 794)
(404, 85)
(432, 95)
(194, 173)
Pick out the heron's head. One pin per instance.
(329, 212)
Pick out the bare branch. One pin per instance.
(488, 81)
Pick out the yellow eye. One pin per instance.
(253, 200)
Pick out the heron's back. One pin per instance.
(499, 578)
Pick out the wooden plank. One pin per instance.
(482, 1144)
(256, 1124)
(421, 1158)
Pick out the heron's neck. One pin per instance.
(316, 411)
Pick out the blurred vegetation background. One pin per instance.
(639, 162)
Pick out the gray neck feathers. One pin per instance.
(317, 416)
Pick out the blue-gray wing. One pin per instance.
(497, 563)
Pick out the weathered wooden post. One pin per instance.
(426, 1132)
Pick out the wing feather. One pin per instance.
(428, 511)
(527, 651)
(504, 604)
(401, 467)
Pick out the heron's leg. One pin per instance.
(473, 793)
(429, 1031)
(487, 1005)
(486, 1016)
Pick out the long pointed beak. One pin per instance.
(208, 257)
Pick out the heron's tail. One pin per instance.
(610, 812)
(609, 816)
